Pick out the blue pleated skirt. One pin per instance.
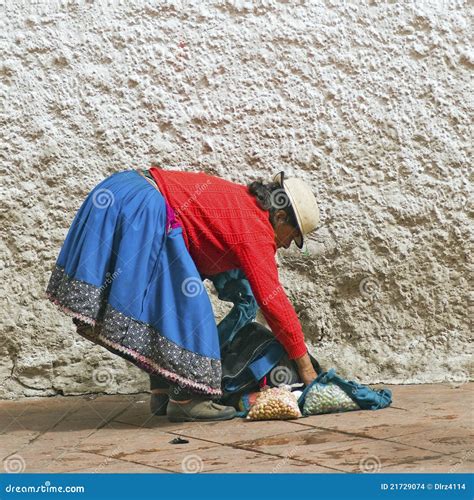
(129, 282)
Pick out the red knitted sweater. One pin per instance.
(225, 228)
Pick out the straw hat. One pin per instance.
(303, 202)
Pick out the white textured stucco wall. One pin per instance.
(367, 101)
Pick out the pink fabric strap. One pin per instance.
(171, 220)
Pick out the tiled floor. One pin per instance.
(428, 429)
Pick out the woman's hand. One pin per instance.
(306, 369)
(307, 376)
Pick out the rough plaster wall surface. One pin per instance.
(367, 101)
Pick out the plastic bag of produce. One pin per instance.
(274, 403)
(327, 398)
(331, 393)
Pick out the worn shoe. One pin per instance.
(198, 410)
(158, 404)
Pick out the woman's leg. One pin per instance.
(158, 385)
(159, 388)
(178, 394)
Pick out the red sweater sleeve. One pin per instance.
(258, 263)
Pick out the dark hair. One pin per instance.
(272, 197)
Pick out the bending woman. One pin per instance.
(131, 267)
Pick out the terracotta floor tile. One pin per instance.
(273, 465)
(113, 466)
(365, 455)
(11, 443)
(126, 442)
(234, 430)
(465, 459)
(247, 461)
(80, 462)
(441, 440)
(220, 459)
(52, 445)
(40, 455)
(442, 464)
(33, 405)
(381, 424)
(418, 396)
(307, 442)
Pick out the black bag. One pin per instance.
(255, 353)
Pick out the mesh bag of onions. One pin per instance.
(274, 403)
(327, 398)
